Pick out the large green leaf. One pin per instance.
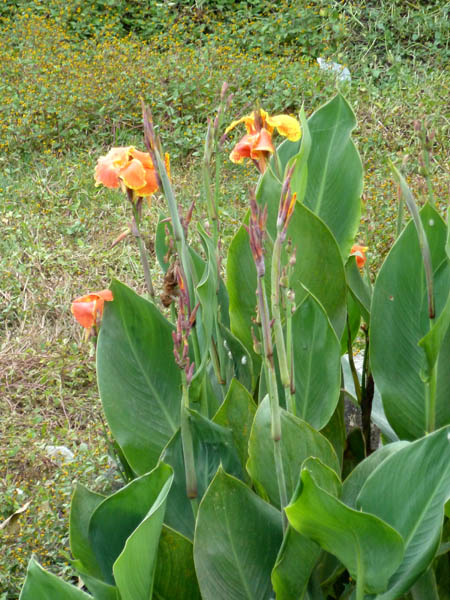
(119, 515)
(42, 585)
(317, 366)
(298, 442)
(319, 267)
(213, 445)
(241, 285)
(433, 340)
(408, 490)
(295, 563)
(238, 361)
(335, 175)
(83, 504)
(135, 566)
(206, 294)
(237, 538)
(370, 549)
(334, 431)
(357, 478)
(298, 554)
(399, 319)
(138, 379)
(175, 571)
(237, 413)
(98, 588)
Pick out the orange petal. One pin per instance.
(88, 309)
(133, 175)
(105, 295)
(242, 149)
(151, 184)
(262, 143)
(287, 126)
(143, 157)
(119, 156)
(359, 252)
(85, 310)
(249, 121)
(106, 174)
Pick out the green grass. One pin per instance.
(70, 87)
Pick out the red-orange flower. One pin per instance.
(130, 167)
(257, 143)
(88, 310)
(359, 252)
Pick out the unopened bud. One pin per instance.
(189, 370)
(224, 90)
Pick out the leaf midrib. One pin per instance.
(146, 377)
(326, 164)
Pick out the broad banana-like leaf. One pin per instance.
(408, 490)
(42, 585)
(237, 538)
(175, 571)
(357, 478)
(298, 442)
(213, 445)
(317, 367)
(84, 502)
(318, 268)
(237, 413)
(370, 549)
(335, 174)
(139, 382)
(134, 569)
(109, 534)
(399, 320)
(241, 286)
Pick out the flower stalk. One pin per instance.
(188, 273)
(135, 205)
(185, 323)
(256, 232)
(287, 205)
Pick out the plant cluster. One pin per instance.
(228, 413)
(57, 227)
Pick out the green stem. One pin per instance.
(188, 447)
(142, 251)
(289, 354)
(276, 314)
(273, 395)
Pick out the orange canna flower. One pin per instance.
(257, 143)
(88, 310)
(359, 252)
(130, 167)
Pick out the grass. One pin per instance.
(70, 87)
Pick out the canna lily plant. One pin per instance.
(242, 479)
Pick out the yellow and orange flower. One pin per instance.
(257, 143)
(359, 252)
(129, 167)
(88, 310)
